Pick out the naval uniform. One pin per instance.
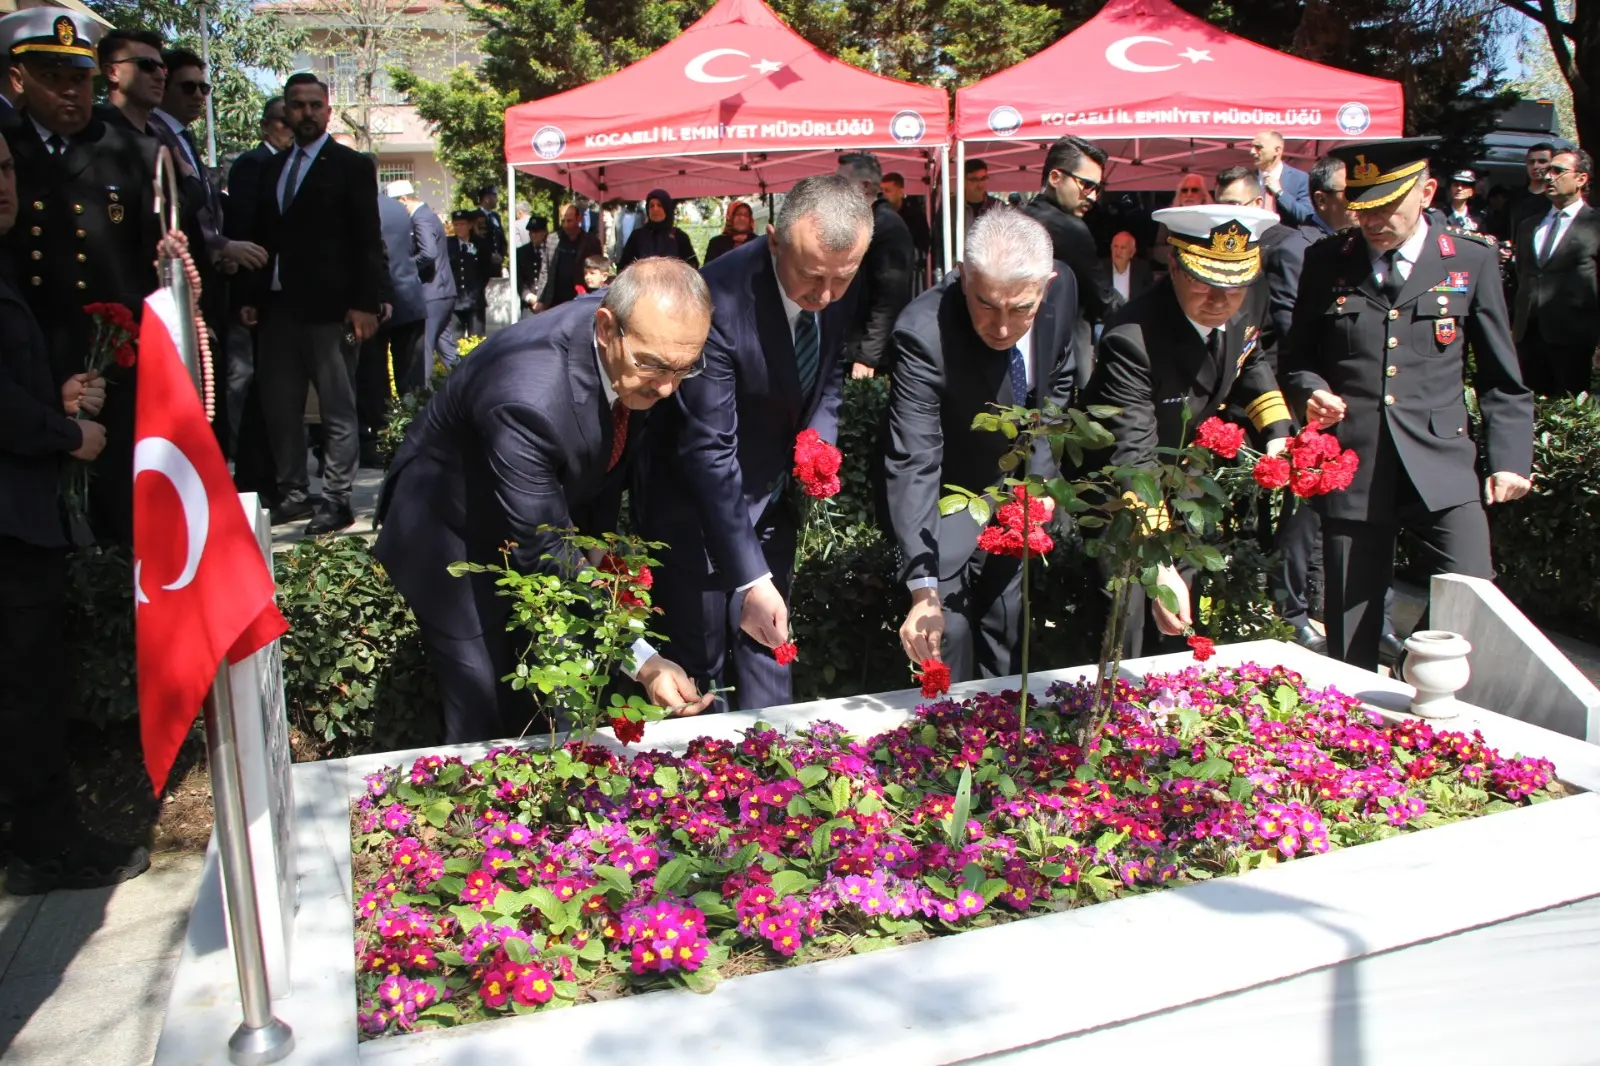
(1394, 349)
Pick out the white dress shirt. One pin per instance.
(1122, 281)
(177, 129)
(1205, 331)
(642, 651)
(1405, 258)
(1559, 217)
(310, 151)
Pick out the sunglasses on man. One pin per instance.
(189, 88)
(147, 64)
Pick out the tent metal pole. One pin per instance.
(954, 203)
(944, 199)
(511, 244)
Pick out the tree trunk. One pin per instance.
(1582, 69)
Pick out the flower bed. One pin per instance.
(530, 880)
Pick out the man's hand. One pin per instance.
(386, 313)
(94, 439)
(84, 392)
(1504, 486)
(765, 616)
(922, 633)
(538, 306)
(861, 370)
(247, 316)
(1277, 446)
(1324, 408)
(362, 323)
(1169, 623)
(243, 254)
(667, 686)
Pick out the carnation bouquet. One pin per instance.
(114, 344)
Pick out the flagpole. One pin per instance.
(261, 1038)
(211, 109)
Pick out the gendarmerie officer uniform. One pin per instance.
(1166, 373)
(1388, 334)
(86, 232)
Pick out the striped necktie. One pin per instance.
(1019, 378)
(619, 434)
(807, 349)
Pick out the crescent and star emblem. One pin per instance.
(161, 456)
(695, 69)
(1117, 55)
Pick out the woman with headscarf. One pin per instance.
(740, 227)
(658, 236)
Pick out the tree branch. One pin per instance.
(1546, 18)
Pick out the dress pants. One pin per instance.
(982, 617)
(441, 339)
(295, 353)
(33, 672)
(477, 705)
(1299, 544)
(241, 347)
(701, 620)
(397, 344)
(1554, 369)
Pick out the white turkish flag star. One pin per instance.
(767, 66)
(1196, 55)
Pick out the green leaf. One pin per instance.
(788, 882)
(813, 775)
(978, 510)
(667, 778)
(439, 811)
(672, 876)
(615, 879)
(517, 951)
(956, 831)
(841, 793)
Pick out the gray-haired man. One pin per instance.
(998, 330)
(719, 464)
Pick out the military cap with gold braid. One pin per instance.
(1380, 172)
(1219, 244)
(65, 38)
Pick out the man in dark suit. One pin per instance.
(914, 213)
(1074, 173)
(1378, 351)
(1000, 330)
(1531, 200)
(49, 848)
(886, 272)
(1131, 276)
(1186, 348)
(1284, 187)
(717, 486)
(975, 200)
(493, 245)
(317, 300)
(398, 342)
(431, 255)
(1557, 322)
(538, 429)
(88, 229)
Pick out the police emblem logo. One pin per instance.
(64, 31)
(1005, 120)
(549, 142)
(115, 212)
(1444, 330)
(1365, 172)
(907, 127)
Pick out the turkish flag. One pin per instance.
(201, 589)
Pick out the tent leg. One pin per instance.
(944, 199)
(511, 244)
(953, 204)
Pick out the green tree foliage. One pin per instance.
(468, 117)
(240, 42)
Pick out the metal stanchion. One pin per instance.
(261, 1038)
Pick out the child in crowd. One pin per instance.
(597, 273)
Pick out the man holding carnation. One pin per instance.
(1000, 330)
(1181, 352)
(1377, 354)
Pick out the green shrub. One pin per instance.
(99, 633)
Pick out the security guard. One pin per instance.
(86, 228)
(1377, 350)
(1182, 352)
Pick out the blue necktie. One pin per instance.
(291, 183)
(1019, 378)
(806, 350)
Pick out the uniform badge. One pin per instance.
(1444, 330)
(1250, 339)
(114, 212)
(1447, 247)
(1459, 278)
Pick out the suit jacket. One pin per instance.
(431, 255)
(1154, 366)
(1075, 246)
(1141, 277)
(726, 441)
(34, 433)
(519, 438)
(244, 191)
(328, 246)
(405, 288)
(885, 285)
(1562, 296)
(944, 375)
(1283, 255)
(1294, 205)
(1400, 370)
(556, 248)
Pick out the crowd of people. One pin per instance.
(1343, 296)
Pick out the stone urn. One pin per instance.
(1436, 666)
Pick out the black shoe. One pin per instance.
(1391, 650)
(292, 511)
(1307, 637)
(331, 519)
(89, 863)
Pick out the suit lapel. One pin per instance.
(1046, 343)
(1568, 251)
(1427, 271)
(772, 329)
(588, 401)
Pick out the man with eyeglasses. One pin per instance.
(537, 432)
(1074, 176)
(87, 227)
(136, 79)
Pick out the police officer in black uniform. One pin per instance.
(86, 229)
(469, 263)
(1377, 351)
(1186, 350)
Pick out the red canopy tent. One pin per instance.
(1163, 93)
(737, 103)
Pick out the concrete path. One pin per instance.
(84, 976)
(363, 502)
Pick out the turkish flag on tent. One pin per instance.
(201, 589)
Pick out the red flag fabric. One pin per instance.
(201, 589)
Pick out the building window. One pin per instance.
(343, 75)
(395, 170)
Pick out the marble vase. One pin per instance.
(1437, 667)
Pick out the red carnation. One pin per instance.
(1006, 537)
(1203, 647)
(935, 677)
(1271, 471)
(627, 731)
(125, 355)
(628, 594)
(1306, 483)
(816, 465)
(786, 653)
(1224, 438)
(1338, 474)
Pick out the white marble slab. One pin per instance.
(981, 993)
